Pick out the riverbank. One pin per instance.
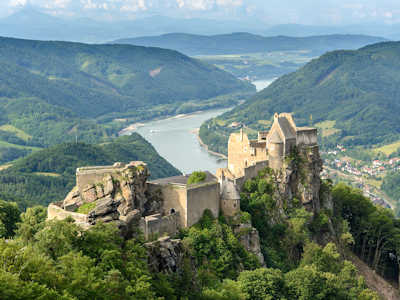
(135, 126)
(205, 146)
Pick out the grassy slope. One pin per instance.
(47, 175)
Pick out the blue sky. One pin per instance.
(328, 12)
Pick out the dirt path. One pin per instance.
(373, 280)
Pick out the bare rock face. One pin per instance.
(165, 255)
(300, 179)
(120, 195)
(248, 236)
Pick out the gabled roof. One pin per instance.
(287, 129)
(229, 191)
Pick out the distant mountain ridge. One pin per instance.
(29, 23)
(352, 96)
(243, 42)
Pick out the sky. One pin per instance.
(312, 12)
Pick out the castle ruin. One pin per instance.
(121, 193)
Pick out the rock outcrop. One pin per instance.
(115, 193)
(248, 236)
(165, 255)
(299, 179)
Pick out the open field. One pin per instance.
(327, 127)
(18, 132)
(388, 149)
(47, 174)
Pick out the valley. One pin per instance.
(155, 150)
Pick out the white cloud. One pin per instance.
(134, 5)
(14, 3)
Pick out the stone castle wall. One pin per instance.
(201, 197)
(250, 172)
(230, 207)
(55, 212)
(189, 200)
(156, 225)
(307, 136)
(175, 200)
(91, 175)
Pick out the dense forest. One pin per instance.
(242, 42)
(54, 92)
(57, 259)
(350, 95)
(48, 175)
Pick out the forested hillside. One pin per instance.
(59, 260)
(47, 175)
(243, 42)
(52, 92)
(352, 96)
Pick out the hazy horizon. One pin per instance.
(307, 12)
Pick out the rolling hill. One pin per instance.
(47, 175)
(238, 43)
(352, 96)
(53, 92)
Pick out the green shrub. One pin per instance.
(196, 177)
(86, 208)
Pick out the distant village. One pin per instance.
(335, 161)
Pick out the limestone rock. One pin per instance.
(73, 200)
(89, 194)
(99, 191)
(165, 255)
(105, 206)
(108, 185)
(248, 236)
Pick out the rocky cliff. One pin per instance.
(112, 194)
(299, 181)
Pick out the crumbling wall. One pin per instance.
(156, 225)
(90, 175)
(56, 212)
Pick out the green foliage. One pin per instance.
(25, 180)
(216, 250)
(9, 216)
(32, 221)
(375, 231)
(262, 284)
(65, 262)
(86, 208)
(196, 177)
(323, 275)
(227, 290)
(391, 186)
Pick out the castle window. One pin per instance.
(172, 211)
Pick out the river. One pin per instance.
(176, 141)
